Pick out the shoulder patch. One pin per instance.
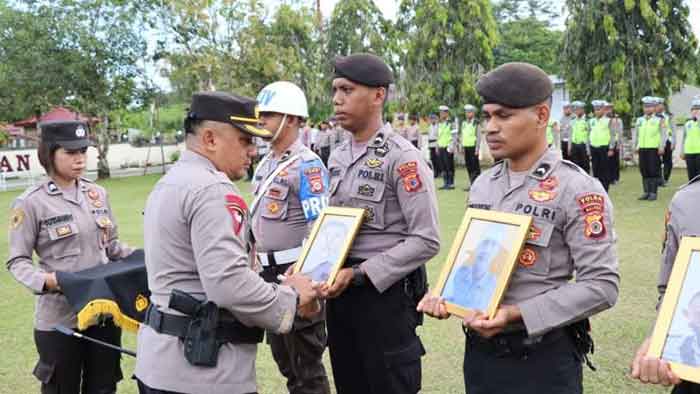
(593, 210)
(238, 209)
(16, 218)
(409, 174)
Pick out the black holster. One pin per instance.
(580, 333)
(415, 288)
(200, 343)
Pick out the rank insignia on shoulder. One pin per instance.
(374, 163)
(16, 218)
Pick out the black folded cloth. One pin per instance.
(118, 290)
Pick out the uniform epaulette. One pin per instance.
(30, 190)
(574, 166)
(84, 179)
(401, 142)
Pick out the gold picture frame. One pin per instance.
(668, 341)
(493, 237)
(331, 238)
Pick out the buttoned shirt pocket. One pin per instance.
(65, 240)
(275, 202)
(369, 195)
(536, 256)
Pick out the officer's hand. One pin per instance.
(660, 151)
(651, 369)
(310, 310)
(50, 282)
(433, 306)
(486, 327)
(303, 286)
(682, 156)
(611, 153)
(342, 281)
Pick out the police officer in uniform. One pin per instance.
(291, 190)
(648, 140)
(564, 129)
(433, 147)
(535, 342)
(447, 135)
(68, 222)
(579, 149)
(197, 248)
(413, 132)
(690, 141)
(669, 142)
(681, 221)
(602, 143)
(323, 143)
(371, 313)
(616, 129)
(471, 140)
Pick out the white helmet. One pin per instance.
(283, 97)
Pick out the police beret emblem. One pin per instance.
(80, 132)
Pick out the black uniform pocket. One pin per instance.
(404, 367)
(44, 371)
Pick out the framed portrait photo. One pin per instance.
(328, 245)
(676, 336)
(481, 261)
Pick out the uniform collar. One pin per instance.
(189, 156)
(540, 170)
(294, 148)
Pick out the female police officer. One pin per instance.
(68, 222)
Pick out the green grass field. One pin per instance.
(639, 228)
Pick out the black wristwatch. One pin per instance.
(359, 278)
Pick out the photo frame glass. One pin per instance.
(481, 260)
(676, 336)
(329, 242)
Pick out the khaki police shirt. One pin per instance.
(413, 133)
(70, 231)
(195, 226)
(291, 203)
(681, 221)
(391, 180)
(572, 233)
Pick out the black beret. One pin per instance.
(515, 85)
(70, 135)
(239, 111)
(363, 68)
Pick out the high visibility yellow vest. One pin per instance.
(648, 132)
(444, 134)
(468, 134)
(600, 132)
(550, 134)
(691, 139)
(579, 131)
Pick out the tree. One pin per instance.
(79, 53)
(359, 26)
(447, 45)
(624, 50)
(514, 10)
(529, 40)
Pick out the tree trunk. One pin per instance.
(102, 149)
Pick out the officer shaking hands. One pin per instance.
(291, 190)
(371, 313)
(538, 338)
(201, 331)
